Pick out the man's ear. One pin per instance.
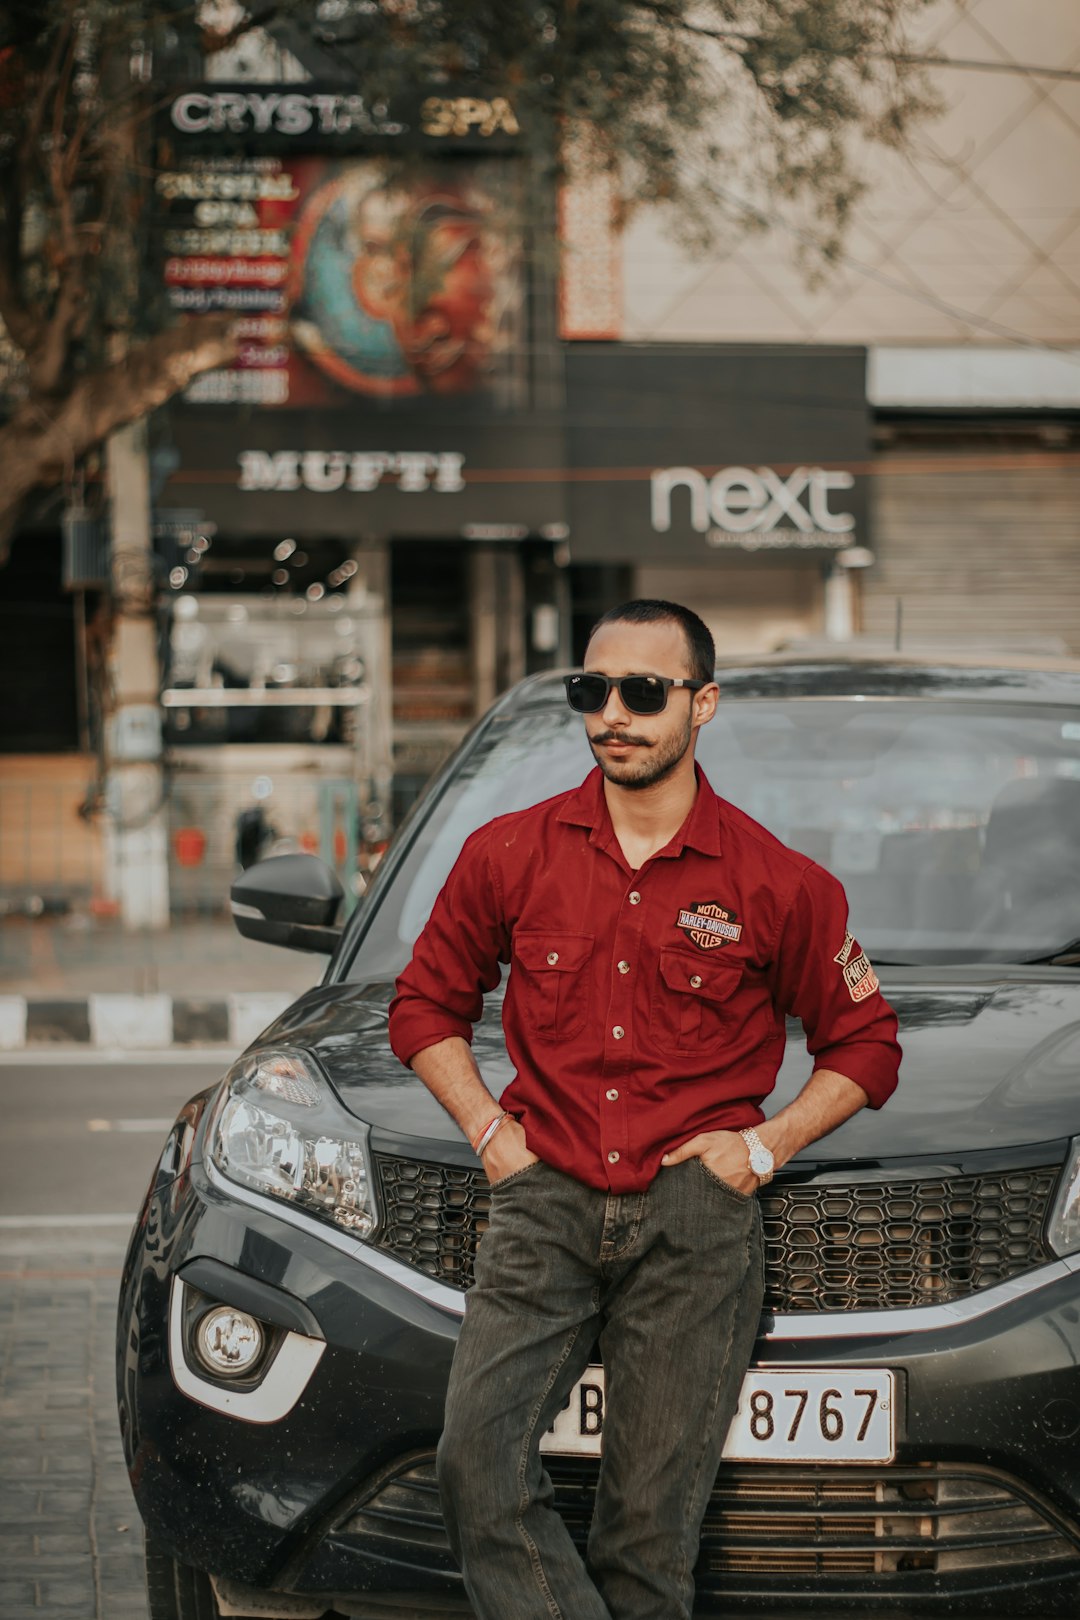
(705, 703)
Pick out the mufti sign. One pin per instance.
(754, 508)
(478, 480)
(324, 472)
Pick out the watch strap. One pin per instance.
(755, 1144)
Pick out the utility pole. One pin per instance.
(135, 826)
(136, 829)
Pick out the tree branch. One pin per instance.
(47, 87)
(23, 327)
(676, 19)
(48, 360)
(39, 446)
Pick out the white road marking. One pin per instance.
(11, 1222)
(135, 1126)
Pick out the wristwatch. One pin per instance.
(762, 1162)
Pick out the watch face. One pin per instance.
(761, 1161)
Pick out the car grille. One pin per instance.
(915, 1524)
(863, 1245)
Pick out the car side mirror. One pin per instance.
(289, 900)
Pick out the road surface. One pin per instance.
(80, 1137)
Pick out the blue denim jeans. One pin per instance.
(669, 1281)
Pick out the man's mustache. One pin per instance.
(597, 737)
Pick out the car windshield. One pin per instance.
(954, 827)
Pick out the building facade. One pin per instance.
(439, 455)
(960, 277)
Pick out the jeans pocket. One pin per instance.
(515, 1175)
(725, 1186)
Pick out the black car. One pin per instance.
(908, 1440)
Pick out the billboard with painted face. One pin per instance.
(398, 290)
(351, 280)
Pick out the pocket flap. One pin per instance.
(696, 975)
(542, 952)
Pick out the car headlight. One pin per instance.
(279, 1128)
(1063, 1226)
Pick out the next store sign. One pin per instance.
(755, 508)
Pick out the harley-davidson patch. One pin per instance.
(859, 976)
(709, 924)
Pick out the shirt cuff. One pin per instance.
(412, 1032)
(873, 1067)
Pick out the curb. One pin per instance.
(143, 1023)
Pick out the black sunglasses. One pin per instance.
(641, 694)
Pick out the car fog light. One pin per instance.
(228, 1342)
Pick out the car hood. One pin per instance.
(989, 1062)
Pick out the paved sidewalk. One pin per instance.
(74, 955)
(70, 1537)
(73, 979)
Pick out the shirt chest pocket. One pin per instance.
(551, 981)
(693, 1007)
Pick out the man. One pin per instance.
(657, 939)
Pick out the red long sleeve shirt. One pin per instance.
(642, 1007)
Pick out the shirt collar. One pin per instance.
(586, 806)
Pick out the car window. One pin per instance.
(954, 827)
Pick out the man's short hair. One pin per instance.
(701, 650)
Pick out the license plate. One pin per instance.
(786, 1414)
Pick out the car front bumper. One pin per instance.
(330, 1491)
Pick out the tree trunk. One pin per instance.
(46, 438)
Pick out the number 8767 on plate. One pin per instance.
(795, 1414)
(785, 1414)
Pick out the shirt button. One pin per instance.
(553, 957)
(612, 1095)
(618, 1032)
(624, 967)
(613, 1157)
(695, 981)
(634, 898)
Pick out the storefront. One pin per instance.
(732, 479)
(446, 546)
(381, 463)
(472, 545)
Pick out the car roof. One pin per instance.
(1017, 677)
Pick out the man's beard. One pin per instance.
(645, 772)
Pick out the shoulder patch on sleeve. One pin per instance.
(859, 975)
